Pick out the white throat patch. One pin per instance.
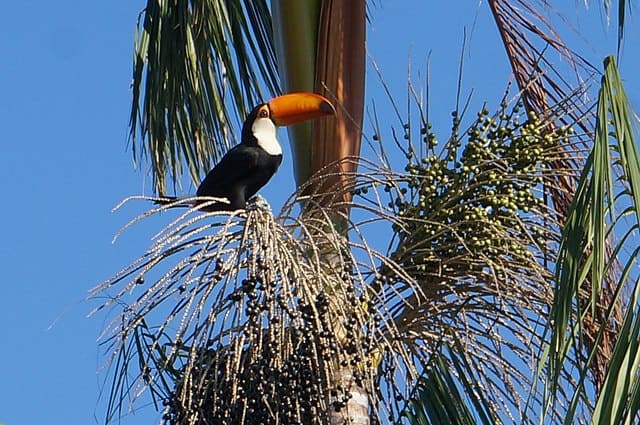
(265, 133)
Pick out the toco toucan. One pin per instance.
(249, 165)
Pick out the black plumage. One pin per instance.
(241, 172)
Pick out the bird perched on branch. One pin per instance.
(250, 165)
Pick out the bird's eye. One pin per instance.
(263, 113)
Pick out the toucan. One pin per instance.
(250, 165)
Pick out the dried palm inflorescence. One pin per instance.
(253, 321)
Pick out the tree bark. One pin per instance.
(356, 410)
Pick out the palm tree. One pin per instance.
(254, 318)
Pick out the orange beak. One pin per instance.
(293, 108)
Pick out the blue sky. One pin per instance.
(64, 90)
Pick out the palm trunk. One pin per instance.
(356, 409)
(321, 47)
(340, 73)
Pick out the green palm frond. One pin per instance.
(441, 399)
(197, 66)
(605, 209)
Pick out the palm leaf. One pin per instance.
(593, 221)
(442, 398)
(197, 66)
(618, 400)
